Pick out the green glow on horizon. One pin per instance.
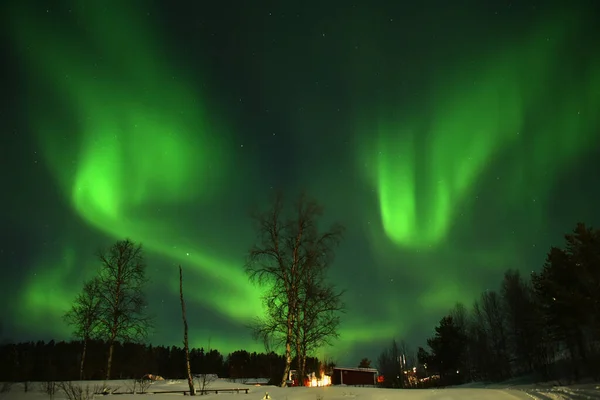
(46, 298)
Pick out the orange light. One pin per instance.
(313, 381)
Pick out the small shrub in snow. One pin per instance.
(144, 385)
(26, 386)
(138, 386)
(131, 386)
(76, 392)
(49, 388)
(104, 389)
(5, 387)
(204, 381)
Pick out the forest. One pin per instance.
(59, 361)
(541, 327)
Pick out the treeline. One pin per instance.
(59, 361)
(546, 326)
(290, 262)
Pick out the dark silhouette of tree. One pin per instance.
(84, 315)
(121, 282)
(462, 319)
(389, 364)
(290, 260)
(447, 351)
(213, 362)
(547, 327)
(493, 313)
(523, 329)
(239, 365)
(186, 347)
(327, 366)
(423, 357)
(364, 363)
(41, 362)
(478, 344)
(568, 291)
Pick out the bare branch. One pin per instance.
(121, 281)
(84, 317)
(290, 261)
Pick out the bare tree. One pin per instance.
(460, 316)
(121, 282)
(207, 375)
(480, 346)
(493, 312)
(320, 305)
(186, 347)
(290, 253)
(520, 311)
(390, 365)
(83, 316)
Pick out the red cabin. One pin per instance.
(354, 376)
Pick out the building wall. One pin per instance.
(352, 377)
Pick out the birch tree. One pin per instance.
(83, 317)
(289, 250)
(121, 283)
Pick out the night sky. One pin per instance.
(453, 139)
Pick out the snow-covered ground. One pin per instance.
(259, 392)
(541, 391)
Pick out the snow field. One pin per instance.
(259, 391)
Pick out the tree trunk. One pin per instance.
(111, 349)
(288, 353)
(114, 329)
(83, 353)
(299, 369)
(303, 362)
(185, 337)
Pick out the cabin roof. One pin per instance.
(370, 370)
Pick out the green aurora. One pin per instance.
(141, 145)
(479, 115)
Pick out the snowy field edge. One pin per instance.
(258, 390)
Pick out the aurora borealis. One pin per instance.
(453, 143)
